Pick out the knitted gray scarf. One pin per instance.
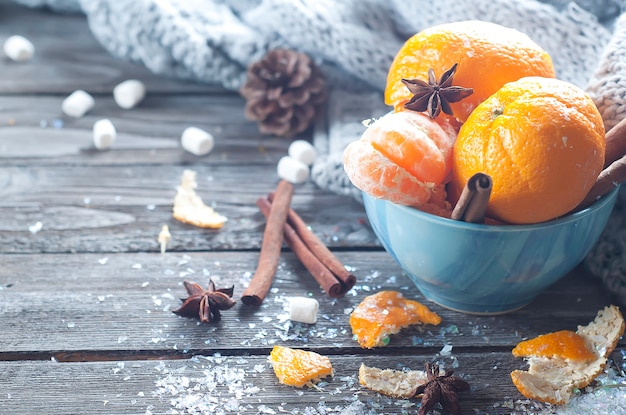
(354, 41)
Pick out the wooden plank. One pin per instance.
(68, 57)
(122, 209)
(120, 305)
(149, 133)
(244, 384)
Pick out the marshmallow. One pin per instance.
(303, 309)
(104, 134)
(197, 141)
(303, 151)
(129, 93)
(18, 48)
(77, 104)
(292, 170)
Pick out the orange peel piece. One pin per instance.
(564, 344)
(299, 368)
(553, 377)
(385, 313)
(189, 208)
(390, 382)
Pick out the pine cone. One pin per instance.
(284, 91)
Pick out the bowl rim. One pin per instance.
(576, 216)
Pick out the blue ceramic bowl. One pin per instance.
(485, 269)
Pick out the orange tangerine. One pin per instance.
(298, 368)
(563, 344)
(542, 142)
(385, 313)
(401, 157)
(488, 56)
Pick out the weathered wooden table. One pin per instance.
(86, 297)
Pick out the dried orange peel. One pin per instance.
(189, 208)
(390, 382)
(299, 368)
(564, 344)
(559, 363)
(385, 313)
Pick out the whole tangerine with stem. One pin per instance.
(488, 56)
(542, 142)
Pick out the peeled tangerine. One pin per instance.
(402, 157)
(385, 313)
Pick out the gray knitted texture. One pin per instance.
(354, 42)
(607, 86)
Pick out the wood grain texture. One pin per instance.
(126, 209)
(129, 387)
(121, 304)
(149, 133)
(243, 382)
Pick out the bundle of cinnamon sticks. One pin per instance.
(284, 224)
(614, 172)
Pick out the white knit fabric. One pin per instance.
(354, 41)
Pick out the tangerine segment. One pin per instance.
(298, 368)
(488, 56)
(401, 158)
(385, 313)
(542, 142)
(371, 172)
(414, 142)
(564, 344)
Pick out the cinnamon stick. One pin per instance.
(472, 204)
(325, 278)
(615, 143)
(320, 250)
(607, 180)
(271, 246)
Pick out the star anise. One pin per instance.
(433, 96)
(441, 388)
(205, 304)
